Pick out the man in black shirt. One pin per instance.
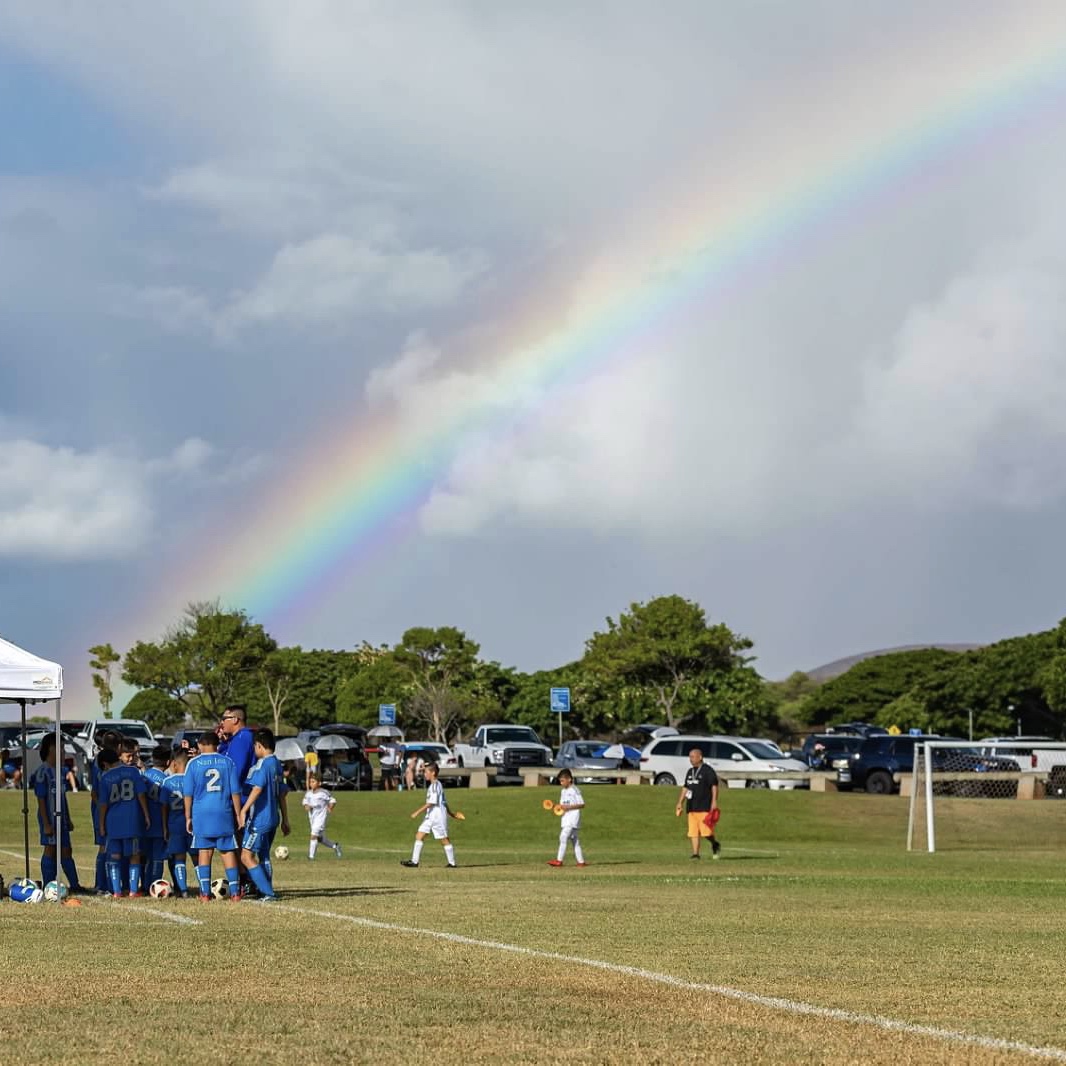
(701, 791)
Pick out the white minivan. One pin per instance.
(667, 759)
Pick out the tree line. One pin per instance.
(661, 661)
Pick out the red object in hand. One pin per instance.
(712, 817)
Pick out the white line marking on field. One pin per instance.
(787, 1006)
(13, 854)
(181, 919)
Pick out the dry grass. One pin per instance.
(815, 901)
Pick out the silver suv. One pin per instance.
(667, 759)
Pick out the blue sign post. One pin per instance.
(386, 714)
(560, 705)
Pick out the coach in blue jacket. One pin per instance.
(238, 742)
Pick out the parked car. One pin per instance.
(880, 759)
(667, 759)
(426, 751)
(835, 753)
(858, 729)
(1023, 751)
(133, 728)
(186, 738)
(578, 755)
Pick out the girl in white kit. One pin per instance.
(318, 803)
(571, 802)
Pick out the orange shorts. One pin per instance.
(697, 826)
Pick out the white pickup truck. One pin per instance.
(507, 747)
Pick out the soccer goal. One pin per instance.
(950, 774)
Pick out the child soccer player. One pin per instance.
(263, 811)
(213, 813)
(435, 821)
(123, 818)
(110, 740)
(155, 838)
(178, 840)
(572, 802)
(53, 836)
(319, 803)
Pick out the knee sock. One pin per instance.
(449, 853)
(314, 847)
(48, 868)
(578, 853)
(259, 879)
(233, 876)
(326, 842)
(135, 878)
(70, 870)
(102, 878)
(203, 875)
(177, 869)
(268, 869)
(114, 875)
(154, 870)
(561, 853)
(416, 851)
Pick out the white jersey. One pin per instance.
(571, 819)
(318, 803)
(436, 819)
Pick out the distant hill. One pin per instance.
(842, 666)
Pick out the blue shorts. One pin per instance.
(258, 841)
(222, 843)
(124, 846)
(10, 768)
(49, 840)
(178, 843)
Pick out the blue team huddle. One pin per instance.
(227, 797)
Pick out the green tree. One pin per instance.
(204, 662)
(103, 658)
(160, 711)
(380, 678)
(663, 660)
(441, 667)
(277, 673)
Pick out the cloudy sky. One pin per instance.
(808, 261)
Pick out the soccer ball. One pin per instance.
(55, 892)
(220, 888)
(159, 889)
(281, 852)
(25, 891)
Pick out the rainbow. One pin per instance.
(360, 488)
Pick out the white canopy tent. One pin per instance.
(24, 679)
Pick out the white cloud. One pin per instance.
(69, 505)
(333, 277)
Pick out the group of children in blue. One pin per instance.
(183, 803)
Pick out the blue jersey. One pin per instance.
(172, 794)
(241, 749)
(154, 778)
(44, 787)
(211, 780)
(267, 775)
(119, 788)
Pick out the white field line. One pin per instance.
(787, 1006)
(181, 919)
(14, 854)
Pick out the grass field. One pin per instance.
(814, 908)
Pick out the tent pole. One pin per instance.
(25, 794)
(57, 823)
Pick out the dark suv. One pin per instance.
(874, 766)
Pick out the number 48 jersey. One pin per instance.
(211, 781)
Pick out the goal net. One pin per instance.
(954, 780)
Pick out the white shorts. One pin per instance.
(318, 823)
(435, 823)
(568, 832)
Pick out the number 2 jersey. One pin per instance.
(211, 781)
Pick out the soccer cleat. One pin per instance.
(204, 899)
(451, 866)
(136, 895)
(693, 856)
(408, 862)
(555, 862)
(582, 864)
(337, 850)
(267, 899)
(235, 897)
(715, 849)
